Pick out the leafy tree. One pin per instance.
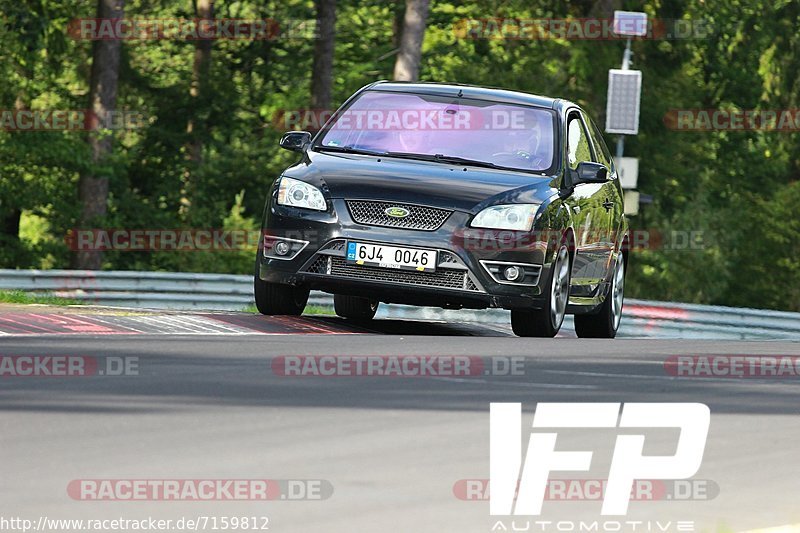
(324, 47)
(93, 185)
(412, 34)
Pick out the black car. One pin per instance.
(450, 196)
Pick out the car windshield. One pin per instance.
(446, 128)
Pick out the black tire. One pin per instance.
(277, 299)
(354, 307)
(605, 323)
(545, 322)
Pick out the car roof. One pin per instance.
(472, 91)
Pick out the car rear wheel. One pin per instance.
(605, 323)
(277, 299)
(354, 307)
(547, 321)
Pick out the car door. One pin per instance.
(590, 218)
(613, 201)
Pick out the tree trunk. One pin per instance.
(322, 73)
(9, 225)
(605, 8)
(93, 187)
(406, 67)
(204, 9)
(397, 25)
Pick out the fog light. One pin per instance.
(512, 273)
(281, 248)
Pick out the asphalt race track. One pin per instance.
(204, 398)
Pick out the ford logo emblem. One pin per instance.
(397, 212)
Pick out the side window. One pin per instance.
(578, 148)
(600, 147)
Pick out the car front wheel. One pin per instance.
(277, 299)
(605, 323)
(546, 322)
(354, 307)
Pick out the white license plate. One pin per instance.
(381, 255)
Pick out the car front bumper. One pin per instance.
(462, 277)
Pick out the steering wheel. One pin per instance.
(522, 154)
(534, 161)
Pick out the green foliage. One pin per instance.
(738, 188)
(309, 310)
(23, 297)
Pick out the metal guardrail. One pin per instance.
(173, 290)
(170, 290)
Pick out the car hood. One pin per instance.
(447, 186)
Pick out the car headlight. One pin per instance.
(512, 217)
(298, 193)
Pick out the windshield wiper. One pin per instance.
(466, 161)
(347, 150)
(446, 159)
(438, 158)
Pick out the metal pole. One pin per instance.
(626, 57)
(626, 63)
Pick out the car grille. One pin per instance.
(442, 278)
(419, 217)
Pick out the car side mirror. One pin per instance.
(589, 172)
(295, 141)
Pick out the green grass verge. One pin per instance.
(22, 297)
(310, 310)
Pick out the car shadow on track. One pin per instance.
(335, 325)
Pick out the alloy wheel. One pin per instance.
(560, 287)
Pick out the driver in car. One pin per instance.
(529, 143)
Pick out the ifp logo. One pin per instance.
(510, 476)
